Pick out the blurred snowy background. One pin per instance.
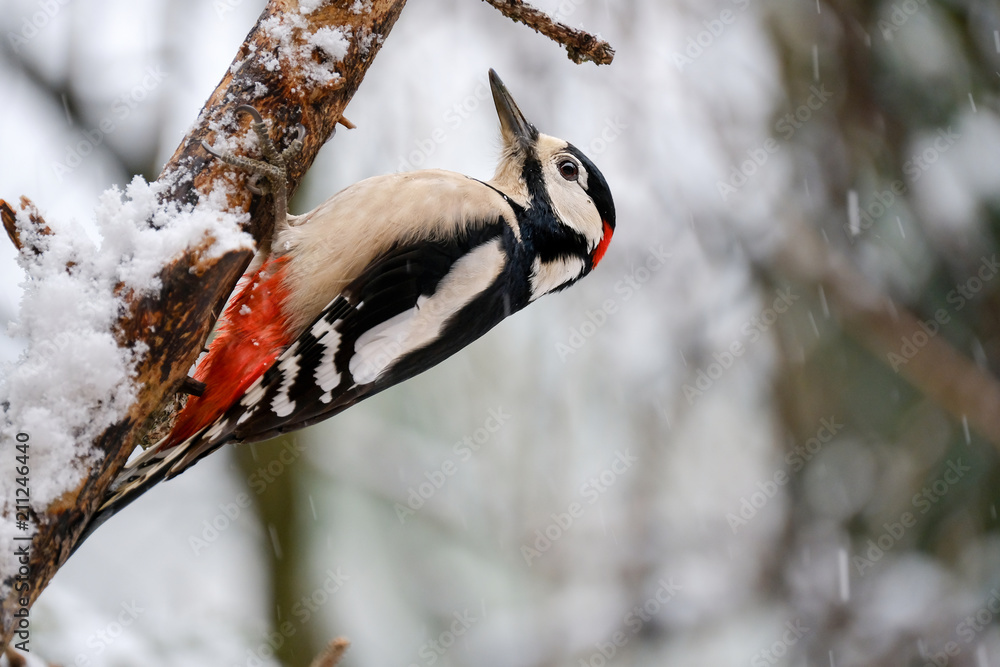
(687, 459)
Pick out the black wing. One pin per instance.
(364, 341)
(412, 308)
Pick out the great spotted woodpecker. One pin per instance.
(379, 283)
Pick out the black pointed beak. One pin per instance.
(513, 124)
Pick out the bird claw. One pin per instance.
(252, 112)
(253, 187)
(267, 147)
(296, 145)
(208, 147)
(272, 168)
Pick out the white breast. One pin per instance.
(547, 276)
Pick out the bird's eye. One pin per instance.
(569, 170)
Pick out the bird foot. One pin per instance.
(273, 168)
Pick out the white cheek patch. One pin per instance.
(572, 205)
(381, 346)
(547, 276)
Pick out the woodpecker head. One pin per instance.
(566, 201)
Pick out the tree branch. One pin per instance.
(934, 368)
(290, 81)
(580, 46)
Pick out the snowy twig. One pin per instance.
(580, 46)
(332, 654)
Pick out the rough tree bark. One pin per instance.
(175, 322)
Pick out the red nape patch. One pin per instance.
(602, 247)
(251, 336)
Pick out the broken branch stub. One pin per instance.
(31, 221)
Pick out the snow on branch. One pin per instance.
(76, 378)
(31, 221)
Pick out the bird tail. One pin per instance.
(159, 463)
(252, 334)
